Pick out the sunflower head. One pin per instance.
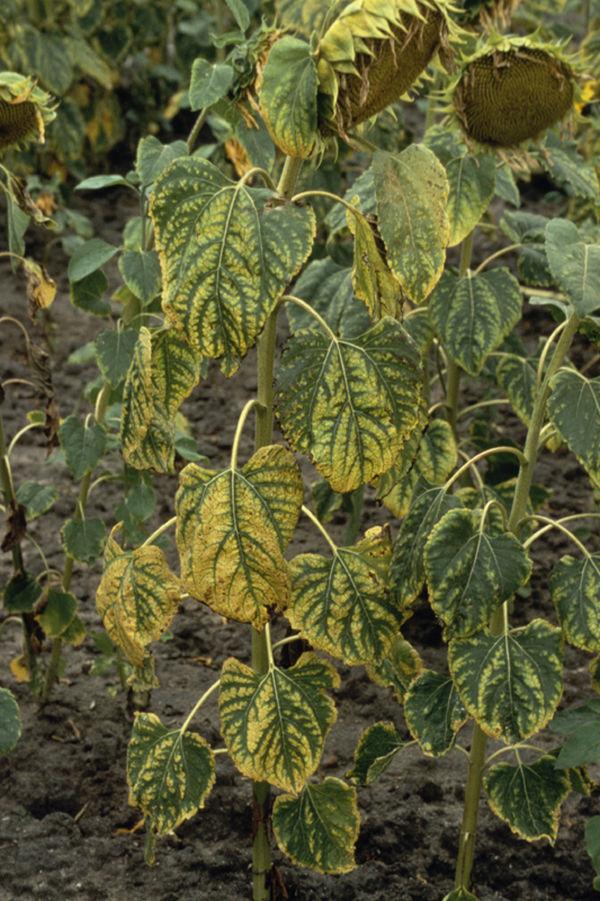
(373, 52)
(512, 90)
(25, 110)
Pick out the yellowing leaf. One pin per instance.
(397, 669)
(41, 289)
(288, 97)
(412, 195)
(372, 280)
(137, 597)
(575, 590)
(351, 405)
(319, 828)
(227, 253)
(510, 683)
(275, 724)
(341, 603)
(434, 713)
(170, 773)
(232, 529)
(528, 796)
(377, 747)
(163, 372)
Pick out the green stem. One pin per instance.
(196, 129)
(84, 490)
(261, 848)
(499, 620)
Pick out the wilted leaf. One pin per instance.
(319, 828)
(41, 289)
(372, 280)
(328, 289)
(275, 724)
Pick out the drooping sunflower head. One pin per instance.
(374, 51)
(512, 90)
(25, 110)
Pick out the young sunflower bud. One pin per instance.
(512, 92)
(374, 51)
(24, 110)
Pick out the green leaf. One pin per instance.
(376, 748)
(397, 669)
(437, 454)
(574, 409)
(21, 593)
(288, 96)
(528, 797)
(83, 445)
(592, 846)
(239, 11)
(114, 353)
(83, 539)
(137, 597)
(510, 683)
(97, 182)
(170, 773)
(328, 288)
(141, 273)
(319, 828)
(569, 170)
(472, 181)
(407, 573)
(275, 724)
(575, 590)
(418, 325)
(434, 713)
(209, 83)
(232, 529)
(36, 498)
(137, 408)
(516, 376)
(507, 188)
(575, 265)
(412, 196)
(226, 256)
(89, 257)
(88, 294)
(372, 280)
(473, 314)
(581, 726)
(350, 405)
(472, 567)
(58, 613)
(341, 604)
(153, 157)
(10, 721)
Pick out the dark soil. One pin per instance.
(63, 794)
